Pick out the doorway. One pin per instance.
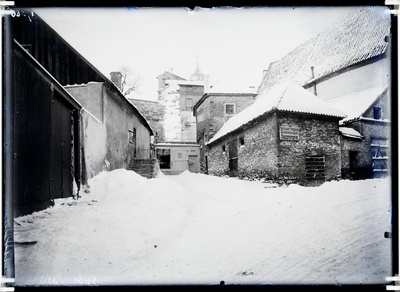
(233, 158)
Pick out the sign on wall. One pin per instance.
(289, 133)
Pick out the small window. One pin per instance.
(377, 113)
(223, 148)
(132, 140)
(241, 141)
(189, 104)
(179, 155)
(189, 89)
(132, 136)
(229, 109)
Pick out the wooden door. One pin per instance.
(61, 150)
(179, 160)
(233, 158)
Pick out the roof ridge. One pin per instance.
(351, 39)
(283, 94)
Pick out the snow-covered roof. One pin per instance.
(355, 104)
(358, 36)
(286, 97)
(350, 132)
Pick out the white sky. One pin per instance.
(201, 229)
(233, 45)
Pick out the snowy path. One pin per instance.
(198, 229)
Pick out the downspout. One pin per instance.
(313, 76)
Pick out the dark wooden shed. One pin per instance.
(46, 136)
(41, 119)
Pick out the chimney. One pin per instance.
(116, 78)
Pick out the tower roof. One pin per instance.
(197, 75)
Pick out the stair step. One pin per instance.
(143, 167)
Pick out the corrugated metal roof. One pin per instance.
(286, 97)
(358, 36)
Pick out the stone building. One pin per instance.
(365, 133)
(287, 135)
(214, 109)
(178, 96)
(350, 65)
(177, 147)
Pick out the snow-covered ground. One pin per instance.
(199, 229)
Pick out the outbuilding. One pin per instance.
(175, 158)
(288, 135)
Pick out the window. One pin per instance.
(315, 168)
(229, 109)
(179, 155)
(223, 148)
(132, 136)
(241, 141)
(132, 140)
(189, 104)
(377, 113)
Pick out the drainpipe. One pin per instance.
(313, 76)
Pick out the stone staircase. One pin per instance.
(145, 167)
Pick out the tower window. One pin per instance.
(189, 104)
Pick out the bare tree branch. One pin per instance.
(130, 81)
